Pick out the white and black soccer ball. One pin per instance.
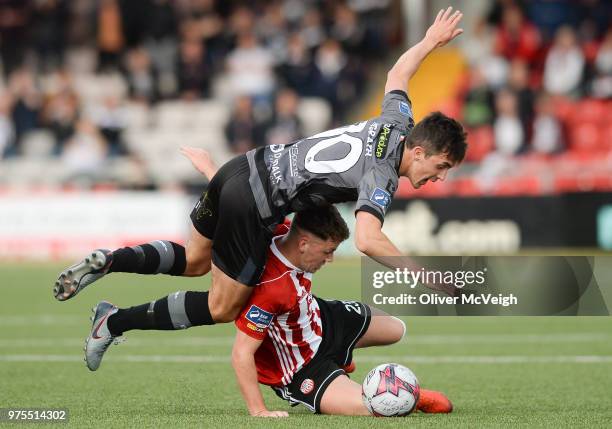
(390, 390)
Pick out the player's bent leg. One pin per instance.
(343, 397)
(226, 296)
(179, 310)
(383, 330)
(198, 254)
(157, 257)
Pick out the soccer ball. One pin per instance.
(390, 390)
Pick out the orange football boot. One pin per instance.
(434, 402)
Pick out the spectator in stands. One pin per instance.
(299, 71)
(161, 34)
(7, 132)
(494, 17)
(312, 30)
(564, 64)
(85, 152)
(518, 82)
(14, 23)
(478, 101)
(508, 130)
(547, 130)
(331, 62)
(49, 32)
(193, 71)
(60, 115)
(250, 68)
(242, 131)
(110, 35)
(208, 27)
(346, 29)
(26, 106)
(517, 38)
(141, 77)
(272, 30)
(285, 125)
(478, 45)
(601, 86)
(109, 117)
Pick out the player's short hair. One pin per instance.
(323, 221)
(437, 133)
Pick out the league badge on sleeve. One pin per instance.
(404, 108)
(259, 317)
(381, 198)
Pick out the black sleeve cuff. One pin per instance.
(370, 210)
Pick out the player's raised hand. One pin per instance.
(201, 160)
(444, 29)
(266, 413)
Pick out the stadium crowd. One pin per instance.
(536, 98)
(265, 55)
(76, 74)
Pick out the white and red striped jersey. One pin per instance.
(284, 314)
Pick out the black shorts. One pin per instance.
(227, 214)
(344, 323)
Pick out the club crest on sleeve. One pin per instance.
(381, 198)
(404, 108)
(259, 317)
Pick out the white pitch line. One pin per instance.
(40, 319)
(586, 337)
(514, 359)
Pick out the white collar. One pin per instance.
(280, 256)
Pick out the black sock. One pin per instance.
(179, 310)
(157, 257)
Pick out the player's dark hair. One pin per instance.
(323, 221)
(437, 133)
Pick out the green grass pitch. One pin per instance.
(508, 372)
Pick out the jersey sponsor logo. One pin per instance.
(383, 141)
(275, 171)
(381, 198)
(275, 148)
(371, 134)
(254, 328)
(404, 108)
(293, 160)
(259, 317)
(307, 386)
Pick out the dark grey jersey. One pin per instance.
(358, 162)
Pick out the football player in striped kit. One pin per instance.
(302, 345)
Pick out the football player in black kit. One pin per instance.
(233, 222)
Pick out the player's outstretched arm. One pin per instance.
(370, 240)
(243, 361)
(443, 30)
(201, 160)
